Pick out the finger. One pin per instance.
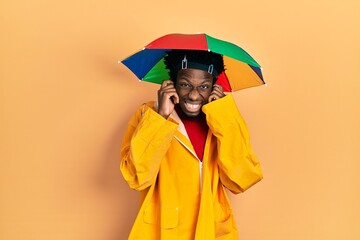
(217, 86)
(169, 87)
(163, 91)
(175, 98)
(166, 83)
(215, 94)
(166, 90)
(212, 97)
(218, 93)
(167, 93)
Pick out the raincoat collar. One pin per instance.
(181, 134)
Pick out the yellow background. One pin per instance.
(65, 103)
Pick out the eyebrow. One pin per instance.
(184, 76)
(205, 81)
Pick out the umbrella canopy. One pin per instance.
(242, 71)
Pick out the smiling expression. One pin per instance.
(194, 87)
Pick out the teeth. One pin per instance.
(192, 106)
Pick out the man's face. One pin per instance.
(194, 87)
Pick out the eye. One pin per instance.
(204, 87)
(184, 85)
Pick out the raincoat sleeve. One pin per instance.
(144, 145)
(239, 169)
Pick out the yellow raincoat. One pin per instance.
(182, 197)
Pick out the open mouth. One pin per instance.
(192, 107)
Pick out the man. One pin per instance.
(184, 150)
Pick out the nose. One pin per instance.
(194, 94)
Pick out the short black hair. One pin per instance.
(174, 58)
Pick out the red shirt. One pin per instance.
(196, 128)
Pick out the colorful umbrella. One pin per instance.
(242, 71)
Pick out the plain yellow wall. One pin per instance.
(65, 103)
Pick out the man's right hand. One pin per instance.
(167, 98)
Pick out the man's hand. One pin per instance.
(216, 93)
(167, 98)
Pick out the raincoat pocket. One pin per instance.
(150, 215)
(223, 221)
(224, 230)
(167, 218)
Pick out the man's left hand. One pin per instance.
(216, 93)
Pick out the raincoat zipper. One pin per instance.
(200, 168)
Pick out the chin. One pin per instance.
(192, 115)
